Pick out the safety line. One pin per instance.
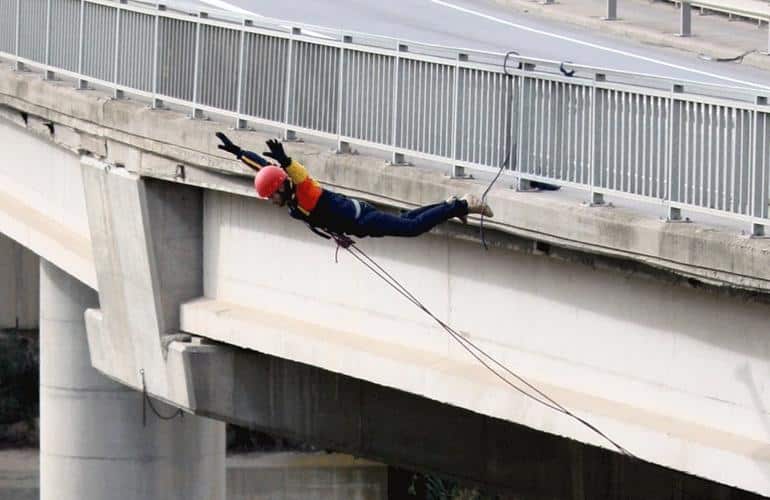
(476, 351)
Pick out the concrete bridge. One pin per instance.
(654, 331)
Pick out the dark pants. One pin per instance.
(373, 222)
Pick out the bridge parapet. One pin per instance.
(168, 145)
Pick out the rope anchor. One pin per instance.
(147, 401)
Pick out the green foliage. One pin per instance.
(436, 488)
(18, 377)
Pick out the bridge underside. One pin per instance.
(342, 413)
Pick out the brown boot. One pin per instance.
(476, 206)
(452, 199)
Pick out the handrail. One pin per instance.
(760, 12)
(685, 19)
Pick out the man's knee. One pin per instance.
(413, 228)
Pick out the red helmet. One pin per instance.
(268, 180)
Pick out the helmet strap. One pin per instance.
(287, 192)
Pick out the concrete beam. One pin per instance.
(365, 419)
(452, 377)
(43, 209)
(691, 387)
(147, 245)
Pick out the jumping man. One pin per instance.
(291, 185)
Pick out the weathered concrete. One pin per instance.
(147, 242)
(42, 206)
(155, 143)
(365, 419)
(92, 439)
(19, 298)
(692, 385)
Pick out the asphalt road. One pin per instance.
(480, 24)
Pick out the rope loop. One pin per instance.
(147, 401)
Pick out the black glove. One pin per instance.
(227, 145)
(277, 153)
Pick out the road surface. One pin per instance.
(480, 24)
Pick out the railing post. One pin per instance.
(520, 183)
(82, 82)
(768, 37)
(520, 132)
(240, 123)
(289, 134)
(49, 73)
(597, 197)
(759, 182)
(612, 10)
(342, 146)
(675, 116)
(156, 102)
(398, 158)
(17, 42)
(685, 25)
(118, 94)
(458, 172)
(197, 113)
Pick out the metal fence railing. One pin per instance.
(682, 145)
(758, 11)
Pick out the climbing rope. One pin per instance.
(147, 401)
(502, 372)
(509, 146)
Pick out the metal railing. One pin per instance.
(760, 13)
(678, 144)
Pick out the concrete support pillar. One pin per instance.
(18, 285)
(92, 442)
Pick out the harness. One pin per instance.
(341, 239)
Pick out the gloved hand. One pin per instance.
(277, 153)
(227, 145)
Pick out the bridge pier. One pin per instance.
(18, 285)
(93, 444)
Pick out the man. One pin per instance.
(291, 185)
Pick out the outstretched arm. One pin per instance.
(296, 171)
(307, 190)
(249, 158)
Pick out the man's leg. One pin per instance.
(411, 214)
(374, 222)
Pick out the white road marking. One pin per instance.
(222, 5)
(219, 4)
(594, 45)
